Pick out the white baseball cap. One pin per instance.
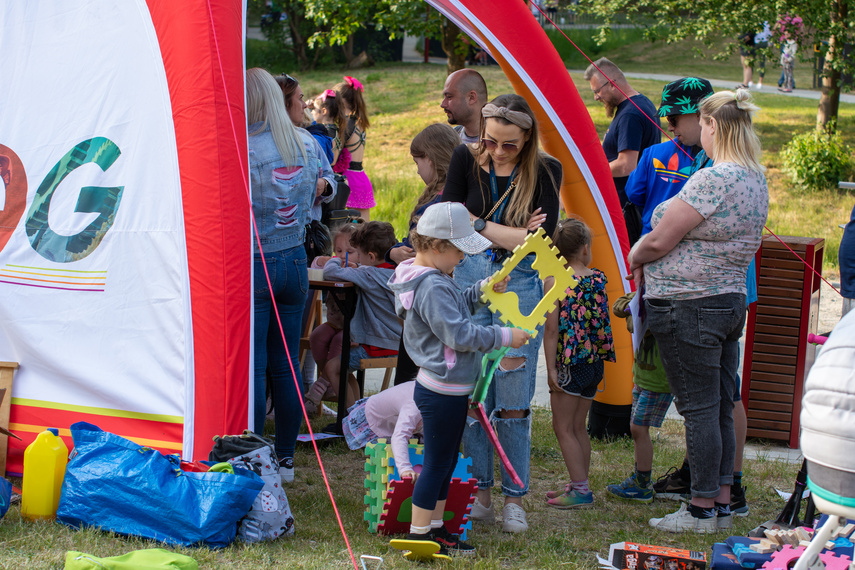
(450, 220)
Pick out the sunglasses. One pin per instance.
(598, 89)
(672, 120)
(490, 144)
(289, 78)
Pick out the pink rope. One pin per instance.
(655, 122)
(667, 135)
(272, 296)
(818, 274)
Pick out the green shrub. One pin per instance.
(818, 160)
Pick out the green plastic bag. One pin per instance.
(150, 559)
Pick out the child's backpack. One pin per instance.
(270, 516)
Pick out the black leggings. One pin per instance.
(444, 418)
(406, 369)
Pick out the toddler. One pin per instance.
(447, 347)
(577, 339)
(375, 327)
(391, 414)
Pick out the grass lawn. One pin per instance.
(402, 100)
(565, 539)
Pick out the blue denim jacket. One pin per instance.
(282, 196)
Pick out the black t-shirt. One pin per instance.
(461, 185)
(630, 129)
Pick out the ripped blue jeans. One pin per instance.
(510, 389)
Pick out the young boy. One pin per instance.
(375, 326)
(651, 397)
(447, 347)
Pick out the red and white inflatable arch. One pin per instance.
(125, 249)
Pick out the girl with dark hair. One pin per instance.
(361, 192)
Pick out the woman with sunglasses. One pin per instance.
(285, 164)
(503, 181)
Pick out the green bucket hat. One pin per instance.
(683, 96)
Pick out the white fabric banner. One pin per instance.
(94, 295)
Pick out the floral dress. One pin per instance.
(584, 330)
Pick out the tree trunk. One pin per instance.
(829, 100)
(451, 47)
(347, 50)
(298, 42)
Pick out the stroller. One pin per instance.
(828, 436)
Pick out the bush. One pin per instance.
(818, 160)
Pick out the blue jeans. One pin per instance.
(699, 345)
(510, 389)
(290, 282)
(444, 418)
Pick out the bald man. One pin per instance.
(463, 97)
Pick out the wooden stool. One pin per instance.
(387, 362)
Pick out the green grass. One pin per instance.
(565, 539)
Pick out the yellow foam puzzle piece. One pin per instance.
(548, 262)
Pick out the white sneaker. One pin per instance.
(513, 518)
(286, 470)
(682, 521)
(481, 513)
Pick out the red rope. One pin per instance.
(669, 138)
(297, 381)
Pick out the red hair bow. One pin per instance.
(353, 82)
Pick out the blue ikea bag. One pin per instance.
(123, 487)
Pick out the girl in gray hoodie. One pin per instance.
(447, 347)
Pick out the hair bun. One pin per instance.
(745, 101)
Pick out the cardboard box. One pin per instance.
(633, 556)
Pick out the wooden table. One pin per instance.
(343, 294)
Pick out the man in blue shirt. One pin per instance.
(634, 127)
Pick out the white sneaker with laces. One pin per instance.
(513, 518)
(682, 521)
(481, 513)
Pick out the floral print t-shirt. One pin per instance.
(584, 331)
(713, 257)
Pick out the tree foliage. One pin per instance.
(829, 24)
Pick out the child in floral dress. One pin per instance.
(577, 341)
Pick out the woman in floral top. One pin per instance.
(577, 339)
(693, 267)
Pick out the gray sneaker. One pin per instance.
(513, 518)
(481, 513)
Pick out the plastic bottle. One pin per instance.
(44, 469)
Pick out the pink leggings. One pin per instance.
(325, 342)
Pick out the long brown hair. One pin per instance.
(435, 143)
(531, 160)
(352, 96)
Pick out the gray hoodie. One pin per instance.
(439, 333)
(375, 322)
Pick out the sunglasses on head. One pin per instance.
(490, 144)
(289, 78)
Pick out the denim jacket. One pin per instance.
(282, 196)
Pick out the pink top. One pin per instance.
(393, 414)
